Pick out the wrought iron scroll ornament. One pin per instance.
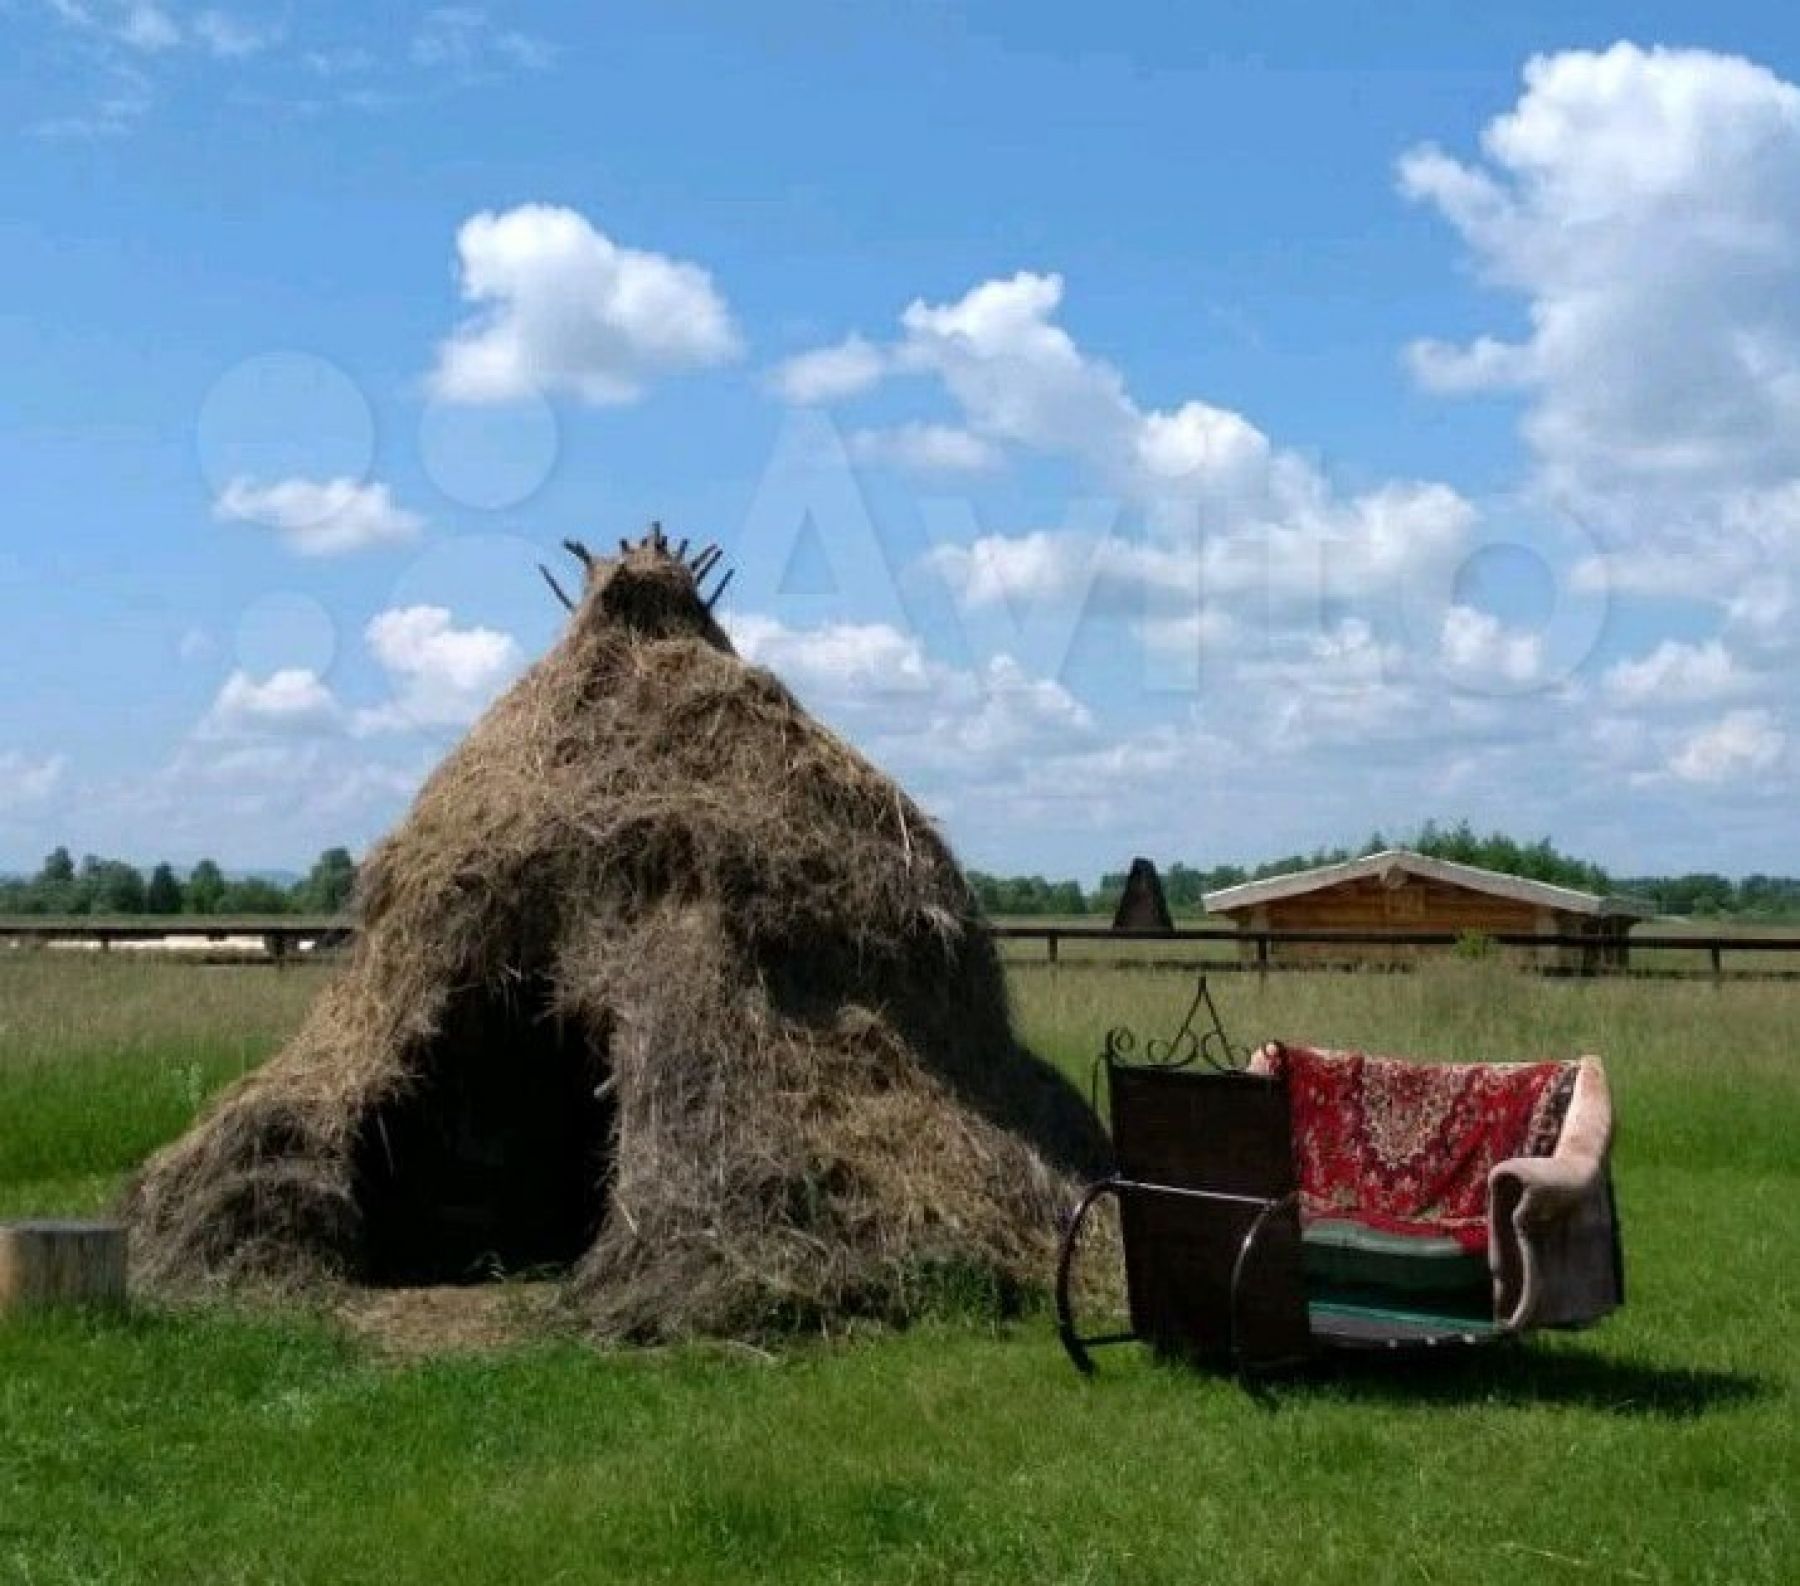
(1200, 1038)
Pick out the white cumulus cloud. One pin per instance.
(1479, 648)
(562, 307)
(1341, 685)
(1199, 474)
(829, 374)
(1738, 747)
(1050, 565)
(839, 660)
(291, 702)
(876, 682)
(1643, 208)
(320, 517)
(442, 675)
(1675, 673)
(1360, 548)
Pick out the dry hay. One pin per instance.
(661, 979)
(465, 1319)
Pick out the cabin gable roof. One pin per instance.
(1395, 864)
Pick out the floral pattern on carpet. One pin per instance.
(1407, 1147)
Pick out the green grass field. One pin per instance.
(230, 1446)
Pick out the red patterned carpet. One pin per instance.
(1407, 1147)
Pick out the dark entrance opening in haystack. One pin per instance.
(495, 1160)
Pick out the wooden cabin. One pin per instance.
(1399, 890)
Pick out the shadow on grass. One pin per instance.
(1522, 1375)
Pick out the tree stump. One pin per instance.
(59, 1262)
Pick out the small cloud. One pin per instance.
(28, 785)
(135, 25)
(442, 675)
(1740, 745)
(327, 517)
(291, 703)
(838, 659)
(144, 27)
(230, 38)
(829, 374)
(925, 449)
(1484, 365)
(1110, 572)
(1676, 674)
(878, 680)
(1000, 569)
(1477, 646)
(565, 308)
(463, 39)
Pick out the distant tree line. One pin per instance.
(1186, 886)
(1707, 896)
(1028, 894)
(115, 886)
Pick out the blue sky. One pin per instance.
(1167, 429)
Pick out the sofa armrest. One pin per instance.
(1552, 1237)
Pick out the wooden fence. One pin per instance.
(1254, 951)
(1770, 955)
(233, 940)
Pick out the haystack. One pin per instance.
(659, 983)
(1142, 905)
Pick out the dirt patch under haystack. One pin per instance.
(660, 985)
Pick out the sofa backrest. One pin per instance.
(1407, 1147)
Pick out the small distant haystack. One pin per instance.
(1142, 906)
(660, 983)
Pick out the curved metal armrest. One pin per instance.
(1252, 1237)
(1076, 1345)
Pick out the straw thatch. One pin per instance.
(659, 979)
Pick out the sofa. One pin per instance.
(1478, 1193)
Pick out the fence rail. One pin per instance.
(284, 939)
(241, 940)
(1256, 949)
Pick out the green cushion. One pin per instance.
(1412, 1268)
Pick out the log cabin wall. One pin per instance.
(1414, 904)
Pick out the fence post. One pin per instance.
(1262, 957)
(1051, 939)
(1718, 964)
